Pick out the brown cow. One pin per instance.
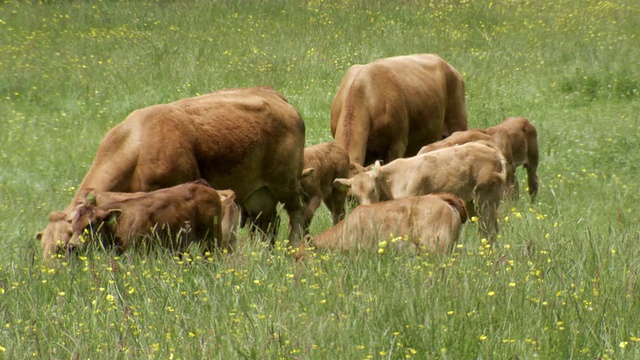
(248, 140)
(475, 171)
(391, 107)
(518, 137)
(230, 213)
(177, 215)
(427, 223)
(324, 163)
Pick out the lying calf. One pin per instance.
(428, 223)
(178, 216)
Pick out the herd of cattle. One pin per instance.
(402, 150)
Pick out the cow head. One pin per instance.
(355, 169)
(88, 222)
(364, 186)
(56, 235)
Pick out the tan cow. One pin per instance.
(457, 138)
(427, 223)
(324, 163)
(391, 107)
(465, 136)
(475, 171)
(178, 216)
(518, 138)
(248, 140)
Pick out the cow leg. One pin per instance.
(533, 158)
(260, 208)
(267, 225)
(512, 188)
(296, 221)
(488, 218)
(335, 203)
(532, 179)
(395, 151)
(309, 211)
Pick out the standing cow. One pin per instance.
(392, 107)
(249, 140)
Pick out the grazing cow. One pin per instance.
(177, 215)
(457, 138)
(475, 171)
(391, 107)
(248, 140)
(324, 163)
(429, 223)
(517, 137)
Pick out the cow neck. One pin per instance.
(384, 187)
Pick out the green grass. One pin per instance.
(561, 282)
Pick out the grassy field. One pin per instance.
(561, 282)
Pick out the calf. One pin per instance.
(457, 138)
(428, 223)
(465, 136)
(475, 171)
(323, 164)
(518, 139)
(178, 215)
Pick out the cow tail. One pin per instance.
(456, 203)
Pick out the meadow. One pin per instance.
(562, 281)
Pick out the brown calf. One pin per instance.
(518, 139)
(178, 215)
(323, 164)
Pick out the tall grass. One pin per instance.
(561, 282)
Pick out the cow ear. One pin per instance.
(355, 169)
(110, 217)
(227, 195)
(113, 216)
(308, 172)
(375, 168)
(90, 199)
(342, 184)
